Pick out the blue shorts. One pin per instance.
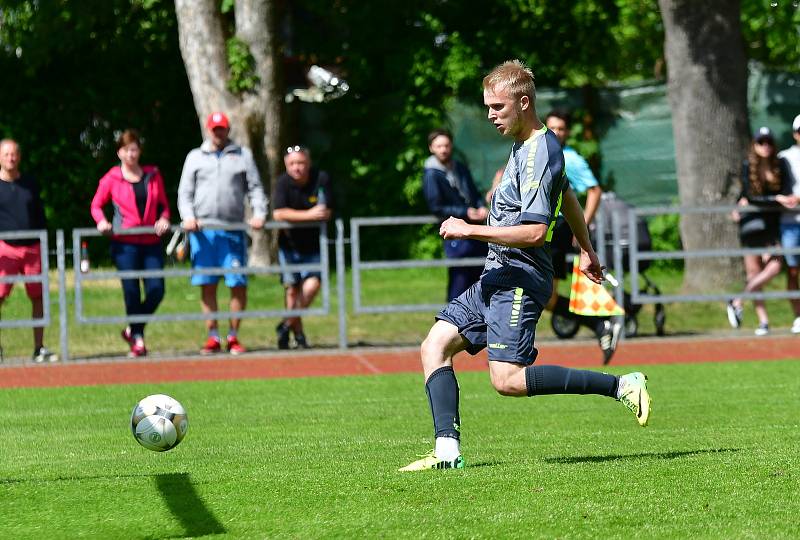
(290, 256)
(502, 318)
(218, 249)
(790, 239)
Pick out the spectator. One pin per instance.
(498, 177)
(21, 210)
(139, 199)
(790, 221)
(302, 194)
(587, 188)
(216, 178)
(451, 192)
(765, 184)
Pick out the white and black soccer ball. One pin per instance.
(159, 422)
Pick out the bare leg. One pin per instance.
(238, 303)
(508, 379)
(300, 297)
(440, 346)
(768, 269)
(208, 302)
(37, 312)
(792, 284)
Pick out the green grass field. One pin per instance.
(380, 287)
(317, 458)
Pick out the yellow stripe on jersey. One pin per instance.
(528, 182)
(552, 226)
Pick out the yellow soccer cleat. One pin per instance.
(430, 461)
(634, 395)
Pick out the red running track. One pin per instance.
(325, 362)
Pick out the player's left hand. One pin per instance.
(590, 266)
(454, 229)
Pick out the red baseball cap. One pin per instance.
(217, 119)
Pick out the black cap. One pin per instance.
(763, 133)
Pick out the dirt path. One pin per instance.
(326, 362)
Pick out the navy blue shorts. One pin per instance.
(501, 318)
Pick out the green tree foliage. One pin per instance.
(74, 74)
(77, 71)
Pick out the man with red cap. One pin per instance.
(216, 178)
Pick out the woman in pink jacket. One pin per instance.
(138, 198)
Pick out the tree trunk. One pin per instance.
(707, 88)
(254, 114)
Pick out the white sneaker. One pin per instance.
(734, 315)
(42, 355)
(762, 330)
(796, 326)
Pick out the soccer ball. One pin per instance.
(159, 422)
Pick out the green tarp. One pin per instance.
(635, 130)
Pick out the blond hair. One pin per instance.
(514, 76)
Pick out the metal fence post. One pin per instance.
(619, 292)
(340, 284)
(63, 335)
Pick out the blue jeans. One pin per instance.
(139, 257)
(790, 238)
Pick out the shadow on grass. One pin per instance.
(183, 501)
(656, 455)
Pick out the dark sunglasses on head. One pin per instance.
(295, 148)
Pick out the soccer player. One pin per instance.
(501, 310)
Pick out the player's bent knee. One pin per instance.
(508, 379)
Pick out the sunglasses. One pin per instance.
(295, 148)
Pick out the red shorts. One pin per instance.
(15, 260)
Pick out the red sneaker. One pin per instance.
(138, 350)
(211, 346)
(234, 347)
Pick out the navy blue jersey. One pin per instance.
(530, 191)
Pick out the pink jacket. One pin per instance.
(113, 187)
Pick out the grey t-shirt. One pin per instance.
(530, 191)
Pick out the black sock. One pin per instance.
(562, 308)
(442, 390)
(544, 380)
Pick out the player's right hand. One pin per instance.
(590, 266)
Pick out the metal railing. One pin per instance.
(618, 243)
(322, 267)
(42, 278)
(636, 256)
(358, 266)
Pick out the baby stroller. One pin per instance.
(566, 328)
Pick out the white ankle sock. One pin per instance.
(447, 448)
(620, 388)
